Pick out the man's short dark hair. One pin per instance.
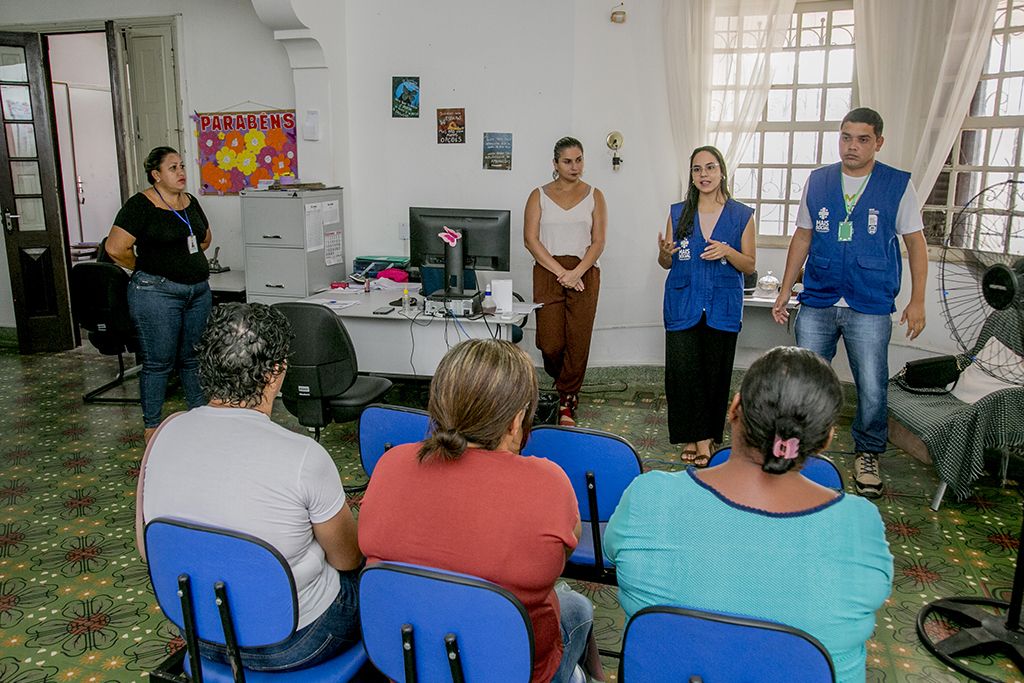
(243, 348)
(864, 115)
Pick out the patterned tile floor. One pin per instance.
(75, 604)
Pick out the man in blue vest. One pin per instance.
(846, 231)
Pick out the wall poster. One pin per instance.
(405, 97)
(451, 126)
(498, 151)
(238, 149)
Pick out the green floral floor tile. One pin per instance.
(75, 603)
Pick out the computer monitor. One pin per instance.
(484, 244)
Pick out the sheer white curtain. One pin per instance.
(918, 63)
(718, 71)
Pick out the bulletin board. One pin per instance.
(238, 149)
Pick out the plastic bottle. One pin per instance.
(488, 306)
(406, 308)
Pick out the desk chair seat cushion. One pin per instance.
(674, 540)
(260, 587)
(667, 643)
(495, 635)
(341, 668)
(492, 514)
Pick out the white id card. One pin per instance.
(193, 244)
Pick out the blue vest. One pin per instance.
(695, 286)
(867, 270)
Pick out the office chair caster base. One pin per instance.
(981, 632)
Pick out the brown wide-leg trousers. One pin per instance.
(565, 323)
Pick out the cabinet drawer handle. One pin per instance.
(271, 237)
(273, 286)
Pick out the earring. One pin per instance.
(554, 174)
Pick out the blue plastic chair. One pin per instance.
(664, 644)
(382, 427)
(600, 467)
(424, 625)
(228, 588)
(818, 469)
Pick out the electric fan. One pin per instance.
(981, 275)
(986, 241)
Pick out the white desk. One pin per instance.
(229, 282)
(396, 344)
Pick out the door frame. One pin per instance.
(120, 103)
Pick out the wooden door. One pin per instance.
(30, 199)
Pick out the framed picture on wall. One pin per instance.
(405, 97)
(451, 126)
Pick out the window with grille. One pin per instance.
(813, 88)
(990, 148)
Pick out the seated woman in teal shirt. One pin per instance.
(753, 536)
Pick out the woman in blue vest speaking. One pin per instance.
(709, 243)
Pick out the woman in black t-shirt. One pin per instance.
(161, 234)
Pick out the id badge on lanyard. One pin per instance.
(193, 244)
(845, 231)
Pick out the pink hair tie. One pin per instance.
(787, 450)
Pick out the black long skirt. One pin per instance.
(698, 373)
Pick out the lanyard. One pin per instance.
(850, 205)
(184, 220)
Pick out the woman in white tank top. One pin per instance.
(564, 229)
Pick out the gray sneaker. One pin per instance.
(868, 475)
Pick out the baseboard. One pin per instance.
(9, 337)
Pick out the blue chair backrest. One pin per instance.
(260, 586)
(665, 644)
(495, 636)
(612, 459)
(819, 470)
(382, 427)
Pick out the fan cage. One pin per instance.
(989, 229)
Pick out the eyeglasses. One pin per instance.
(710, 168)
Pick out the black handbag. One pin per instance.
(931, 373)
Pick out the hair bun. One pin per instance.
(451, 444)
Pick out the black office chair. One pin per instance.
(322, 383)
(99, 303)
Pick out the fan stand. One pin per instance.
(982, 632)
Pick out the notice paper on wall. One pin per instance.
(314, 226)
(333, 252)
(332, 214)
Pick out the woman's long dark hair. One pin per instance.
(479, 386)
(684, 227)
(789, 393)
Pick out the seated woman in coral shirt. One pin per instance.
(464, 500)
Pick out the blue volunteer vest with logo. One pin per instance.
(867, 270)
(695, 286)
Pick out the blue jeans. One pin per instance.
(577, 622)
(170, 318)
(333, 632)
(866, 338)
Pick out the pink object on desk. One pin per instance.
(339, 285)
(394, 274)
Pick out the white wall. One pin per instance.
(226, 56)
(80, 61)
(539, 69)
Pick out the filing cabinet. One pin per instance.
(285, 250)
